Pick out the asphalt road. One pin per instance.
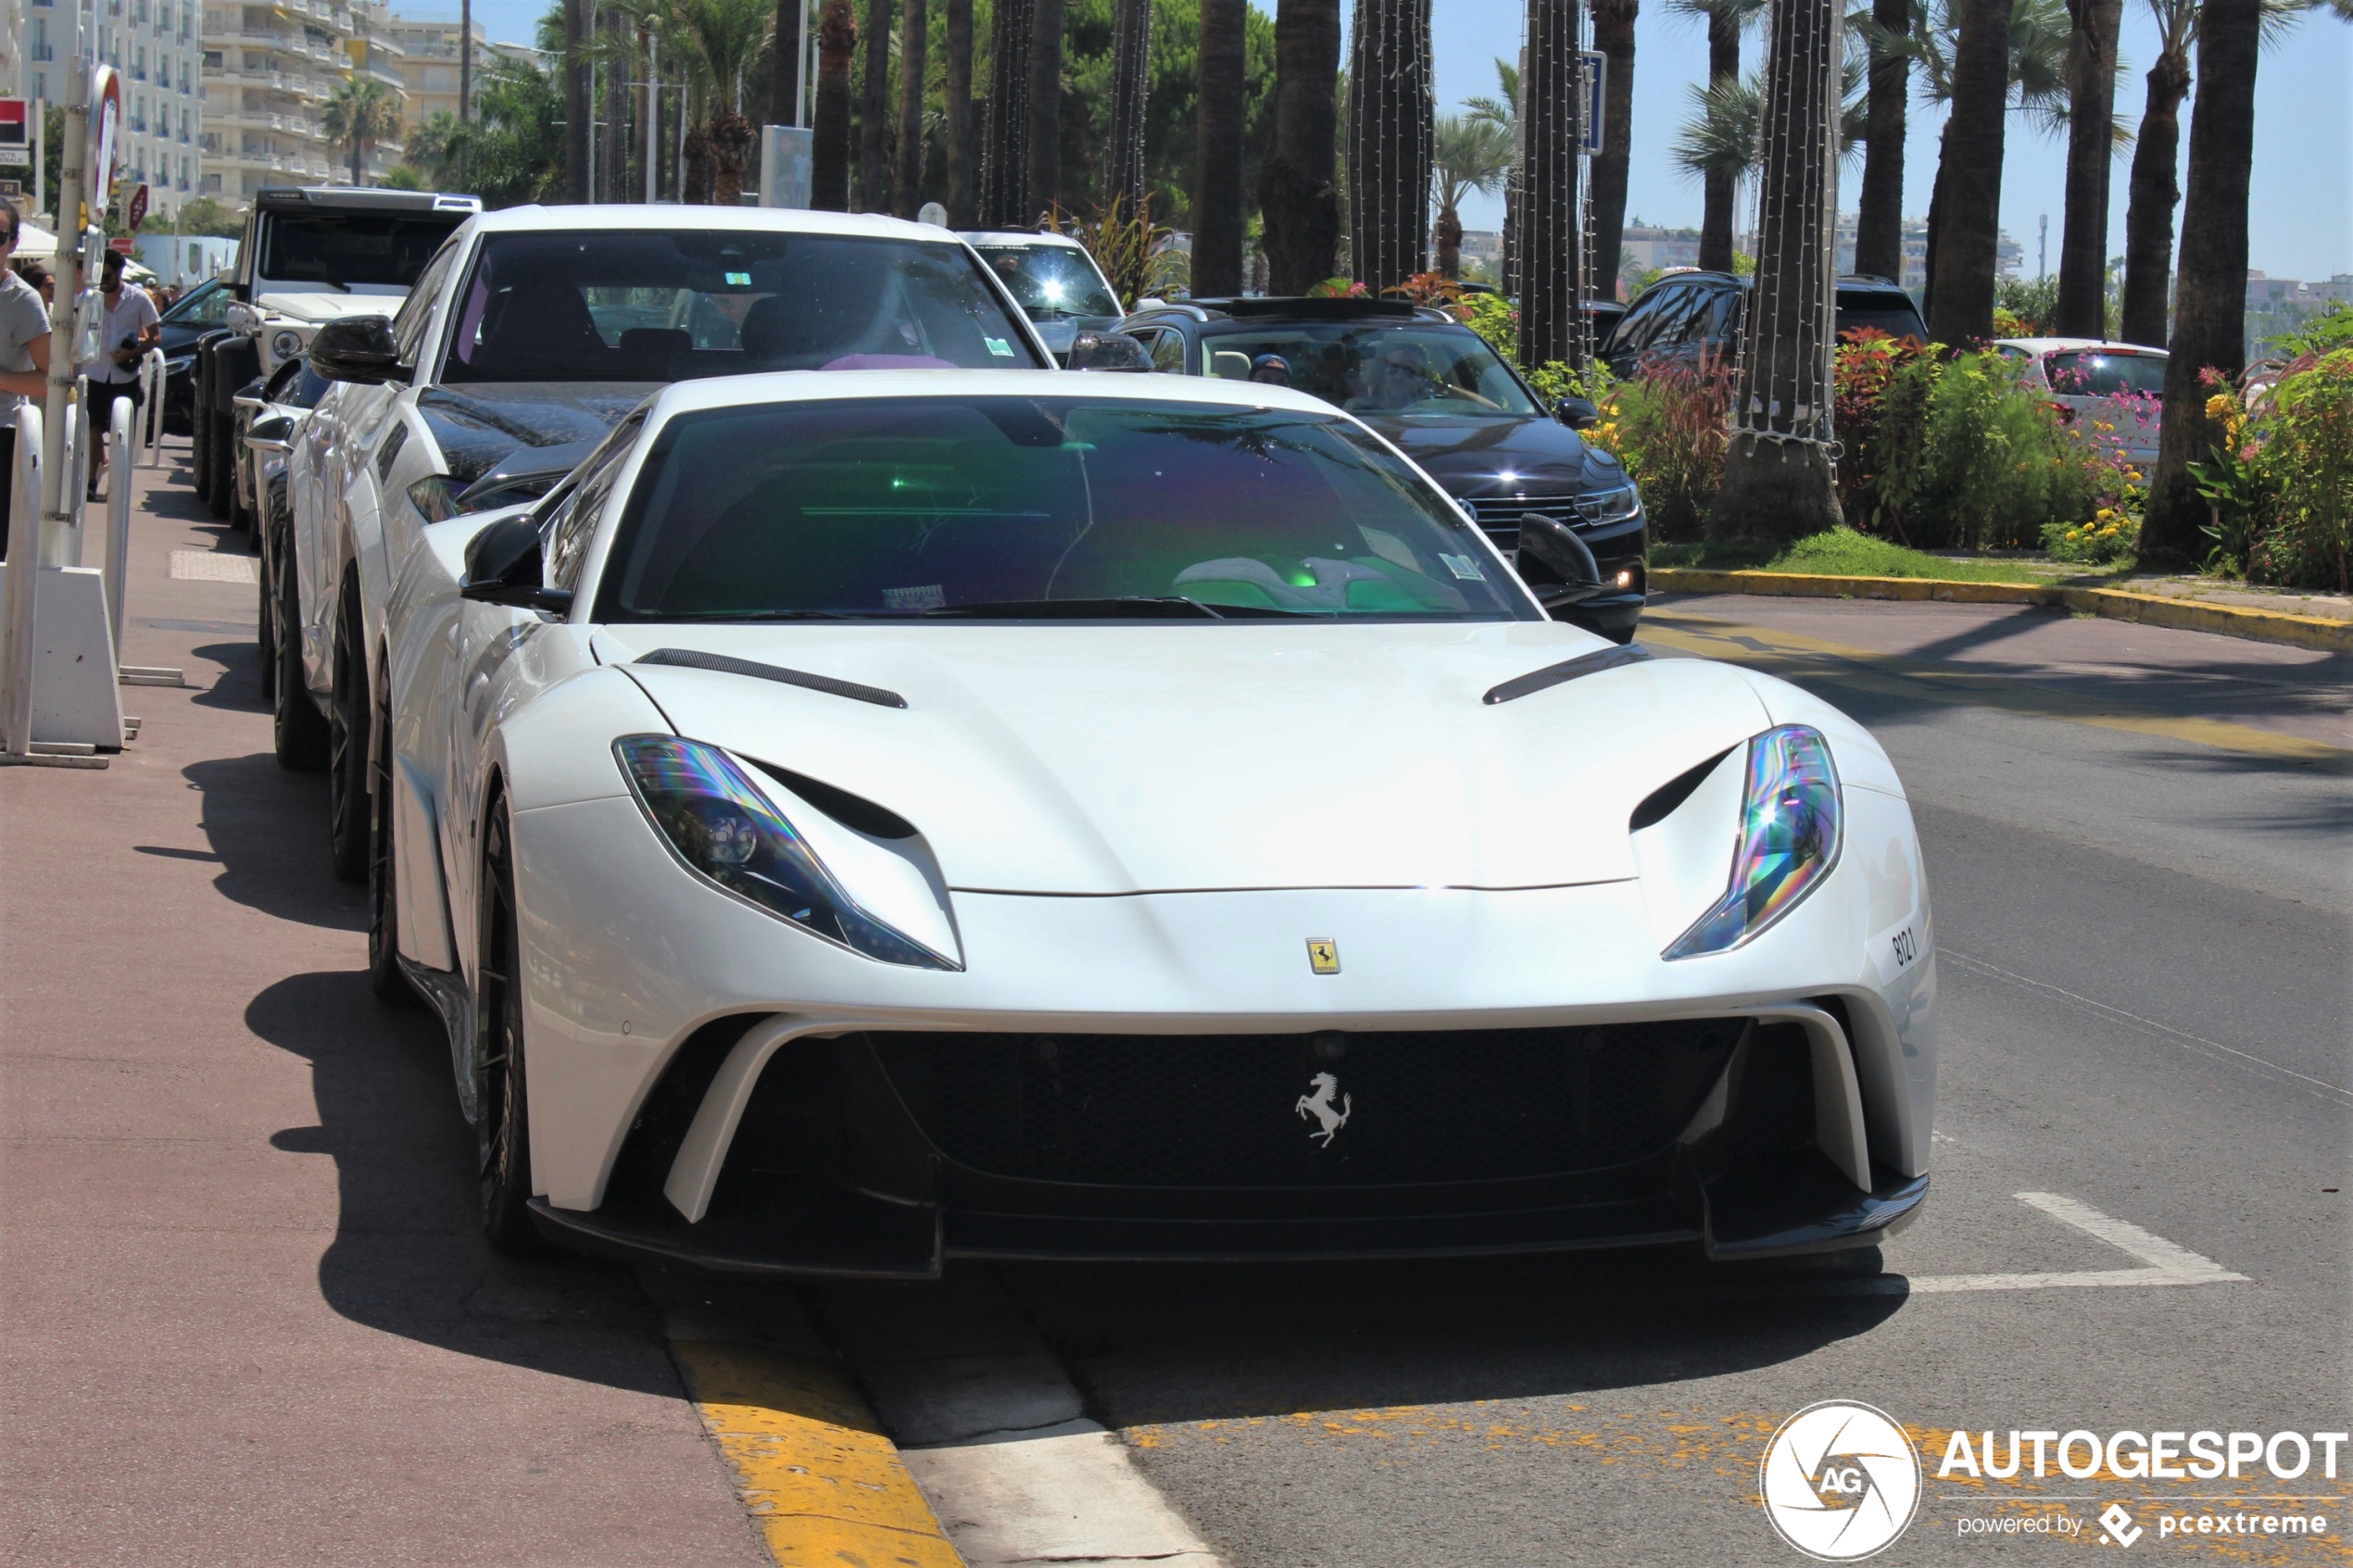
(246, 1320)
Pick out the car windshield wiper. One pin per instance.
(1133, 605)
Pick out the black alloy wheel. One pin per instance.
(348, 741)
(298, 731)
(502, 1127)
(386, 977)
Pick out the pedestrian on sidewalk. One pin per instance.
(132, 327)
(24, 356)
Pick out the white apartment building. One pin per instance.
(152, 45)
(270, 68)
(429, 62)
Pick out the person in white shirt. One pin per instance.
(132, 328)
(24, 356)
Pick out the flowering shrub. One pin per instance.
(1337, 288)
(1666, 425)
(2111, 535)
(2280, 482)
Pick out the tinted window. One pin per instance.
(207, 306)
(352, 247)
(573, 520)
(297, 385)
(2082, 374)
(1377, 368)
(608, 306)
(408, 327)
(1168, 351)
(870, 509)
(1893, 314)
(1633, 333)
(1050, 281)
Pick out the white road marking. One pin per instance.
(2164, 1263)
(212, 566)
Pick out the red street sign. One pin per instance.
(138, 212)
(12, 123)
(120, 245)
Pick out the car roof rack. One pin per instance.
(358, 198)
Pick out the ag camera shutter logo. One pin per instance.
(1840, 1481)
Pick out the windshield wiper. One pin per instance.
(1136, 604)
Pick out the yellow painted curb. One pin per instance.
(822, 1482)
(2116, 604)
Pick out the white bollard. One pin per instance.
(16, 599)
(68, 545)
(118, 524)
(151, 379)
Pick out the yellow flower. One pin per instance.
(2219, 406)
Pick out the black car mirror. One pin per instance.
(1554, 545)
(355, 348)
(503, 567)
(1108, 351)
(1578, 413)
(270, 434)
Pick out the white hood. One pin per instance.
(1093, 759)
(317, 308)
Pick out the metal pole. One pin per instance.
(119, 523)
(653, 114)
(41, 155)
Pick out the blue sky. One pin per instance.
(2301, 216)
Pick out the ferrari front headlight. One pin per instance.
(717, 821)
(1788, 842)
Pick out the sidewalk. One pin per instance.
(249, 1319)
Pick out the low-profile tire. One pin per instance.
(219, 466)
(298, 729)
(199, 455)
(386, 977)
(502, 1128)
(348, 744)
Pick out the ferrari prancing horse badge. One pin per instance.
(1323, 955)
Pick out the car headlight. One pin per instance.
(717, 821)
(284, 344)
(1788, 843)
(1609, 506)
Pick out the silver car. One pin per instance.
(2117, 385)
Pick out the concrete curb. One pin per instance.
(2149, 609)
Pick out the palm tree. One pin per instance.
(1726, 19)
(1504, 110)
(2148, 214)
(1720, 140)
(1046, 105)
(578, 114)
(359, 113)
(1879, 218)
(510, 150)
(956, 103)
(1388, 141)
(783, 78)
(829, 141)
(1217, 152)
(1551, 104)
(2091, 150)
(1297, 196)
(1131, 47)
(1470, 155)
(1004, 161)
(874, 135)
(1961, 279)
(1780, 481)
(1614, 36)
(722, 41)
(907, 175)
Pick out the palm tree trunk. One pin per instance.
(577, 112)
(1448, 233)
(1878, 219)
(1045, 191)
(1614, 36)
(1004, 167)
(874, 132)
(1217, 152)
(957, 103)
(2209, 298)
(783, 79)
(1390, 131)
(1971, 172)
(612, 134)
(1719, 188)
(829, 142)
(1550, 107)
(1131, 43)
(2148, 220)
(907, 175)
(2091, 153)
(1296, 199)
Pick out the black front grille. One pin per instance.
(1226, 1110)
(1499, 515)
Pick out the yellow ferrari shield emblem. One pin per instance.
(1323, 955)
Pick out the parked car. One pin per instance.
(1692, 315)
(2095, 383)
(1055, 279)
(202, 309)
(1446, 398)
(857, 822)
(269, 416)
(542, 326)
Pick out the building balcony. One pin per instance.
(44, 53)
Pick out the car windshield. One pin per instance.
(1050, 281)
(1859, 308)
(1039, 508)
(2084, 373)
(1369, 369)
(205, 306)
(345, 248)
(656, 306)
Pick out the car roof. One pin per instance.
(882, 386)
(1003, 237)
(738, 220)
(1257, 309)
(1861, 282)
(2046, 345)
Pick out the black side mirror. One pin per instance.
(1554, 545)
(1108, 351)
(1578, 413)
(503, 567)
(357, 348)
(272, 434)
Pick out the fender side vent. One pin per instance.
(1663, 800)
(691, 660)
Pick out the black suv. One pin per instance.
(1686, 315)
(1448, 401)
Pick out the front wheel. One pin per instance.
(349, 751)
(502, 1130)
(298, 729)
